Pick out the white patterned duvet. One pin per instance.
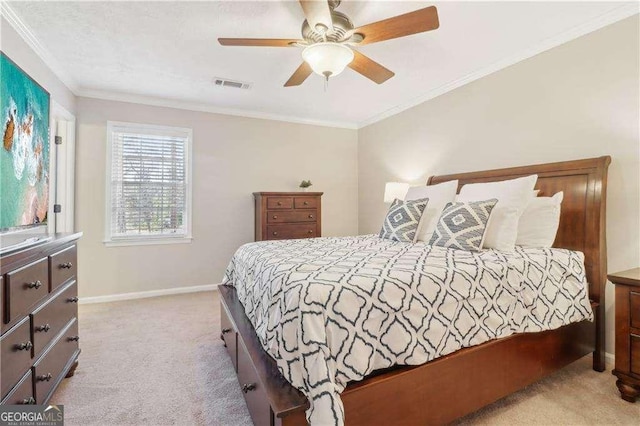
(332, 310)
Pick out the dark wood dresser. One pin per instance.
(627, 333)
(287, 215)
(39, 310)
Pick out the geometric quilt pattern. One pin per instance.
(402, 220)
(333, 310)
(462, 225)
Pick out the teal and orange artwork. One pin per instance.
(24, 155)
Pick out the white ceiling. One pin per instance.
(168, 50)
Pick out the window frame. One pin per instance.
(136, 240)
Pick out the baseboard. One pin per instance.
(146, 294)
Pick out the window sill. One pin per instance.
(147, 241)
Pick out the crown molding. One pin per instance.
(590, 26)
(32, 41)
(202, 107)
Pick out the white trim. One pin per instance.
(201, 107)
(147, 294)
(32, 41)
(111, 241)
(601, 21)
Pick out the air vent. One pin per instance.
(223, 82)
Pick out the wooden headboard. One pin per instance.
(582, 219)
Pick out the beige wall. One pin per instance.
(578, 100)
(232, 157)
(19, 52)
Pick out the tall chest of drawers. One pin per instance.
(39, 325)
(287, 215)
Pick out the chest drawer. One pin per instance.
(634, 309)
(279, 232)
(22, 393)
(50, 318)
(15, 353)
(305, 202)
(279, 203)
(26, 287)
(292, 216)
(48, 369)
(63, 266)
(229, 336)
(252, 390)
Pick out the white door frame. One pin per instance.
(62, 176)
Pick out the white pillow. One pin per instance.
(513, 196)
(439, 195)
(539, 223)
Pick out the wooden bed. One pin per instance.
(457, 384)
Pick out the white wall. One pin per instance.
(232, 158)
(578, 100)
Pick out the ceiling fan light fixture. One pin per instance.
(328, 59)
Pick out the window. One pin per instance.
(148, 184)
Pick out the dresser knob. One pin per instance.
(28, 401)
(226, 330)
(275, 233)
(74, 338)
(306, 203)
(44, 328)
(36, 284)
(279, 203)
(44, 377)
(73, 299)
(310, 231)
(248, 387)
(66, 265)
(24, 346)
(310, 216)
(275, 217)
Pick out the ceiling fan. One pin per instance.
(328, 38)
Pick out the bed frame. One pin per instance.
(457, 384)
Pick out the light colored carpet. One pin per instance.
(159, 361)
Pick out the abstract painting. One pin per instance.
(24, 156)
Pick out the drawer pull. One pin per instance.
(44, 377)
(275, 233)
(66, 265)
(28, 401)
(226, 330)
(73, 299)
(36, 284)
(44, 328)
(74, 338)
(248, 387)
(24, 346)
(310, 231)
(310, 216)
(306, 203)
(275, 216)
(279, 203)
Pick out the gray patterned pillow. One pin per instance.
(462, 225)
(403, 219)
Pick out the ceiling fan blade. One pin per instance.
(264, 42)
(400, 26)
(317, 13)
(370, 68)
(298, 77)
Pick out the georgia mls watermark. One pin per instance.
(31, 415)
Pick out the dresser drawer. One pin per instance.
(63, 266)
(50, 318)
(279, 232)
(279, 203)
(292, 216)
(15, 353)
(229, 335)
(305, 202)
(254, 394)
(48, 369)
(634, 309)
(635, 355)
(22, 393)
(26, 287)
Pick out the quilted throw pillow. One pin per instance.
(462, 225)
(403, 219)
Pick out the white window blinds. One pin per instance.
(149, 185)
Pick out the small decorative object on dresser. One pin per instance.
(287, 215)
(39, 310)
(627, 332)
(305, 185)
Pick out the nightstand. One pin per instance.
(627, 332)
